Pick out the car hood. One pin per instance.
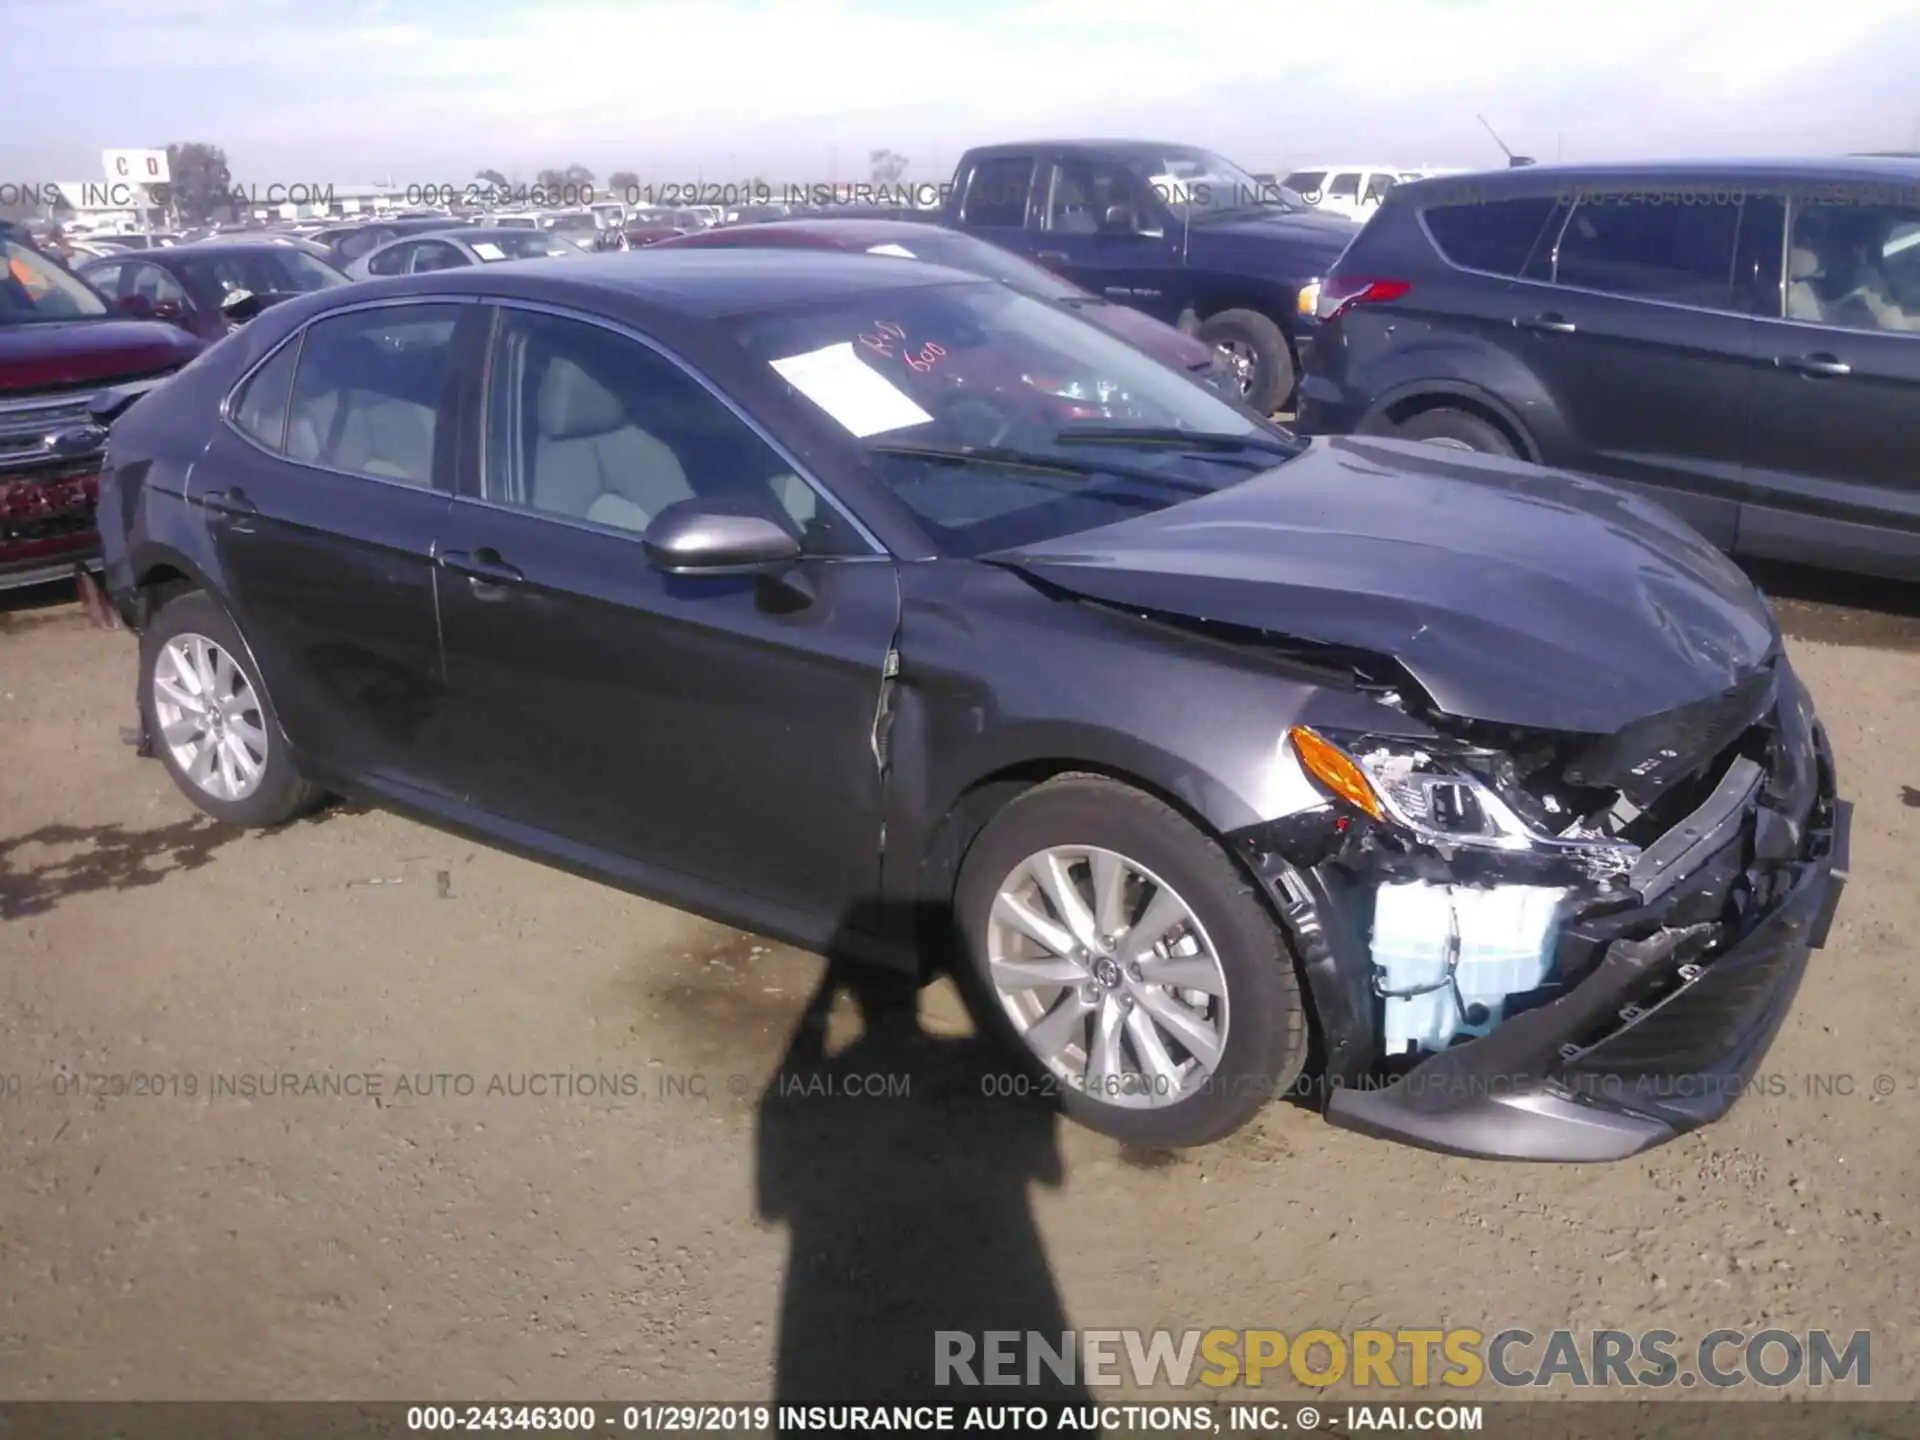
(1157, 338)
(1513, 594)
(43, 355)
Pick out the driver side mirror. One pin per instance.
(696, 537)
(240, 306)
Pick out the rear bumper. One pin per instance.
(1324, 409)
(1655, 1041)
(43, 565)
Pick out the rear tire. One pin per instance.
(1255, 348)
(207, 713)
(1188, 1057)
(1458, 430)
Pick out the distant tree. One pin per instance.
(887, 166)
(624, 180)
(578, 175)
(202, 185)
(491, 177)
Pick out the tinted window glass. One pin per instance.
(261, 410)
(1084, 192)
(367, 395)
(1497, 236)
(1627, 246)
(1378, 184)
(1307, 182)
(997, 193)
(1855, 267)
(1345, 185)
(155, 284)
(436, 255)
(586, 424)
(390, 261)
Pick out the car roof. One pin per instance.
(851, 230)
(690, 283)
(1750, 170)
(1102, 147)
(470, 233)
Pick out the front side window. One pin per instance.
(997, 192)
(1378, 184)
(1629, 245)
(590, 425)
(1307, 182)
(1345, 186)
(1000, 419)
(276, 270)
(1855, 267)
(390, 261)
(436, 255)
(367, 396)
(1088, 197)
(154, 284)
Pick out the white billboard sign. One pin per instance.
(136, 167)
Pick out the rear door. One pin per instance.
(1103, 228)
(1634, 321)
(996, 199)
(1833, 463)
(323, 496)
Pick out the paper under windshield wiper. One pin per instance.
(1172, 435)
(1028, 460)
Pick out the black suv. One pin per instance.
(1741, 340)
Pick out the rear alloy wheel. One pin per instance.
(1254, 351)
(1457, 430)
(210, 721)
(1121, 951)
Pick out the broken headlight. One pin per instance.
(1441, 797)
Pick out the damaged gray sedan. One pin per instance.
(897, 615)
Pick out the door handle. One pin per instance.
(486, 572)
(1049, 255)
(231, 501)
(1819, 363)
(1553, 324)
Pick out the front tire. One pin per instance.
(1255, 349)
(1124, 956)
(211, 723)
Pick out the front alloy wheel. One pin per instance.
(1108, 976)
(1119, 949)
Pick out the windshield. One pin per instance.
(1028, 422)
(1206, 185)
(282, 270)
(963, 252)
(35, 287)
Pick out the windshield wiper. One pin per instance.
(1173, 435)
(1027, 460)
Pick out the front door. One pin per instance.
(1833, 464)
(1104, 229)
(323, 498)
(719, 728)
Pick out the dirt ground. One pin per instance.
(696, 1233)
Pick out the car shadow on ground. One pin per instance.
(1851, 610)
(902, 1176)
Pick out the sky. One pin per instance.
(801, 91)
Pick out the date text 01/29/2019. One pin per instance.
(1109, 1418)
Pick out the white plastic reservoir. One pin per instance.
(1499, 940)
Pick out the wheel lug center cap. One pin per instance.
(1107, 971)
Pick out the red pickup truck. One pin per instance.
(69, 362)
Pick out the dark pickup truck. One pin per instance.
(1174, 230)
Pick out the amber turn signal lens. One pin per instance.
(1333, 768)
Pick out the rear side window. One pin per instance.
(1345, 186)
(1497, 236)
(261, 410)
(1305, 182)
(367, 396)
(1378, 184)
(1625, 246)
(997, 192)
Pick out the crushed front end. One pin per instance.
(1547, 946)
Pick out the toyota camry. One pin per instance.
(892, 613)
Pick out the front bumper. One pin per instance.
(1667, 1030)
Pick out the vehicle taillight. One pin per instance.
(1341, 293)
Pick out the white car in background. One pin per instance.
(1354, 191)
